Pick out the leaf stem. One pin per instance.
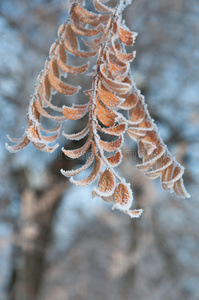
(107, 35)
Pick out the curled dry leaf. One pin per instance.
(101, 7)
(19, 146)
(91, 178)
(105, 115)
(106, 183)
(126, 36)
(70, 173)
(108, 98)
(115, 159)
(123, 199)
(75, 113)
(112, 146)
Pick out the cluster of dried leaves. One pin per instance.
(112, 93)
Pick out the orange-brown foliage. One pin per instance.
(112, 91)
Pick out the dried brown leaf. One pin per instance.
(44, 113)
(112, 146)
(122, 197)
(75, 113)
(106, 116)
(79, 135)
(72, 69)
(115, 159)
(21, 145)
(91, 178)
(80, 151)
(107, 97)
(70, 173)
(101, 7)
(126, 36)
(115, 130)
(62, 87)
(106, 183)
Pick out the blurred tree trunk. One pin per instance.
(33, 232)
(32, 240)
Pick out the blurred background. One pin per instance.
(56, 242)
